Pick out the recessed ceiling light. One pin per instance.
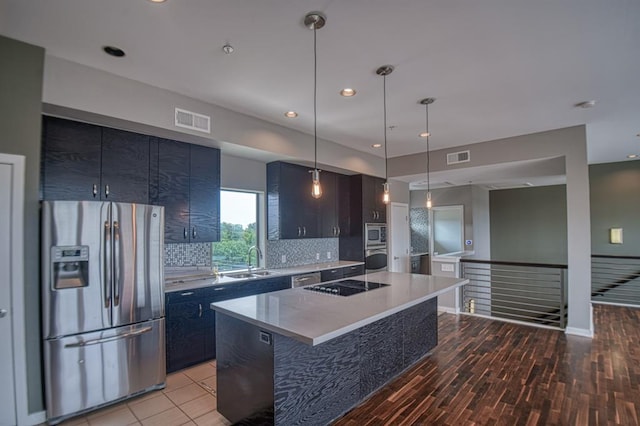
(157, 1)
(585, 104)
(376, 145)
(348, 92)
(291, 114)
(632, 156)
(113, 51)
(425, 134)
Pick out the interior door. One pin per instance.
(7, 390)
(400, 241)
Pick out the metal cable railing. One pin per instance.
(615, 279)
(529, 292)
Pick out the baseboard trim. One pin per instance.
(36, 418)
(582, 332)
(447, 310)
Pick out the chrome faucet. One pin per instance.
(258, 256)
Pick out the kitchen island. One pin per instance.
(299, 356)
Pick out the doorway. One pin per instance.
(13, 402)
(447, 230)
(400, 239)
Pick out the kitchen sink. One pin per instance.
(246, 274)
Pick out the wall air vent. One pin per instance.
(193, 121)
(458, 157)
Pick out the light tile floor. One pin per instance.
(188, 399)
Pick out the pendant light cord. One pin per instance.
(315, 95)
(428, 150)
(384, 102)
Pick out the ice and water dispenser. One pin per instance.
(69, 266)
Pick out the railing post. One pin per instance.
(563, 302)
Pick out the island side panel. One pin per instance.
(315, 384)
(381, 353)
(419, 330)
(244, 371)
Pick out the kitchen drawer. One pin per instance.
(352, 271)
(331, 274)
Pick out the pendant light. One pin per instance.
(384, 71)
(426, 102)
(314, 21)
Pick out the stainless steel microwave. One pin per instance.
(375, 234)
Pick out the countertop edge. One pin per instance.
(275, 272)
(313, 341)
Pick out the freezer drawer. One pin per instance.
(93, 369)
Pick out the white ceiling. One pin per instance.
(498, 68)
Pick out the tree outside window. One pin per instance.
(238, 214)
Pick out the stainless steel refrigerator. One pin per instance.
(103, 303)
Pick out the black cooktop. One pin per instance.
(346, 287)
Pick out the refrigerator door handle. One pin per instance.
(109, 339)
(107, 264)
(116, 263)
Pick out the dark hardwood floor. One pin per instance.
(486, 372)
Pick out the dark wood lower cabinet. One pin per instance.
(191, 324)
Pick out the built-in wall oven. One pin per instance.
(375, 259)
(375, 243)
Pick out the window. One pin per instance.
(238, 231)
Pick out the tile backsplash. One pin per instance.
(195, 254)
(300, 252)
(295, 252)
(419, 222)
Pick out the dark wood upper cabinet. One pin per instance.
(86, 162)
(373, 209)
(204, 194)
(291, 210)
(82, 161)
(125, 166)
(329, 202)
(170, 186)
(186, 181)
(71, 157)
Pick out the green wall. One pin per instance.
(615, 203)
(529, 224)
(20, 121)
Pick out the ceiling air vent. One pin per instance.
(458, 157)
(193, 121)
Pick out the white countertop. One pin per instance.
(316, 267)
(314, 318)
(181, 279)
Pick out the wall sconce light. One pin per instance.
(615, 236)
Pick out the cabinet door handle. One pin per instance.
(194, 234)
(338, 231)
(106, 191)
(199, 310)
(334, 231)
(304, 231)
(299, 231)
(184, 232)
(186, 293)
(95, 190)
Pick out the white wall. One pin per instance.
(78, 87)
(242, 173)
(569, 143)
